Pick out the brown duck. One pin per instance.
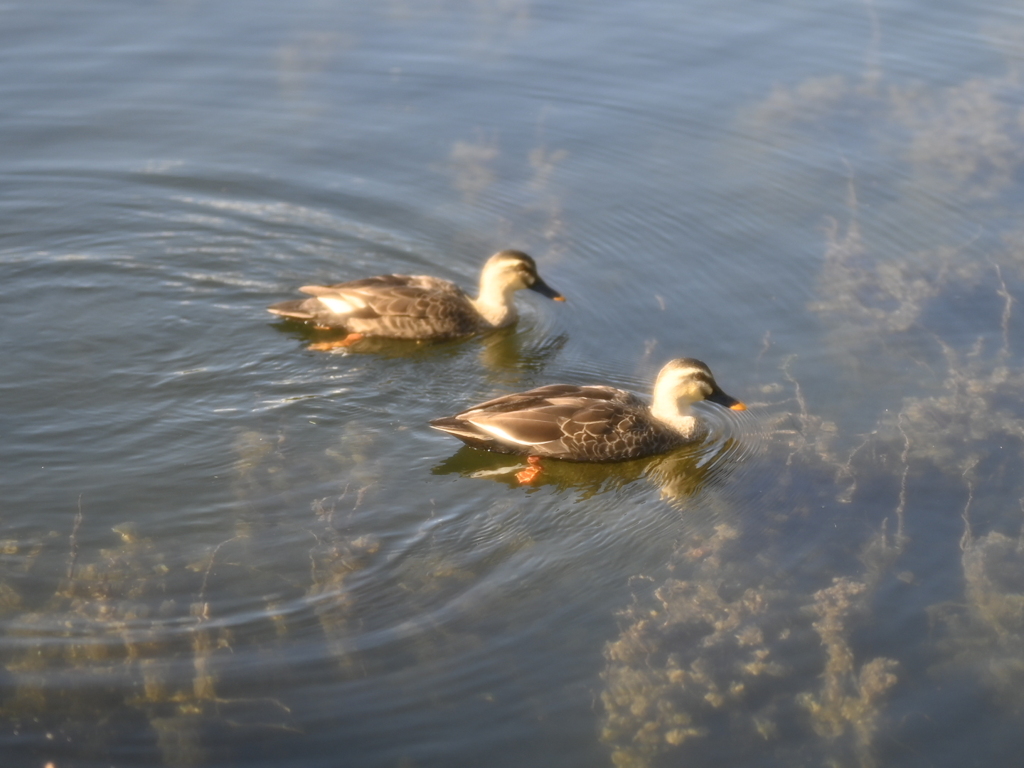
(593, 423)
(419, 306)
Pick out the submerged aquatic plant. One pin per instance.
(137, 632)
(850, 699)
(679, 675)
(710, 658)
(984, 634)
(656, 693)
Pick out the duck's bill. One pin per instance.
(729, 402)
(546, 290)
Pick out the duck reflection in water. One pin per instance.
(593, 423)
(512, 352)
(679, 474)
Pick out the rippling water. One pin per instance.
(219, 546)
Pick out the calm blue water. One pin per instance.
(219, 547)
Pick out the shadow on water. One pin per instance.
(678, 475)
(513, 348)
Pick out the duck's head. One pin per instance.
(686, 380)
(509, 271)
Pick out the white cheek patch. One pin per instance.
(342, 306)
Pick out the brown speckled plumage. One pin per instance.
(419, 306)
(592, 423)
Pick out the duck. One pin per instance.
(593, 423)
(419, 307)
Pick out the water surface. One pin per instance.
(220, 547)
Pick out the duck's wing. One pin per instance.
(397, 306)
(564, 422)
(546, 394)
(384, 282)
(386, 295)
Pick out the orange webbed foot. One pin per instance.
(327, 346)
(528, 475)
